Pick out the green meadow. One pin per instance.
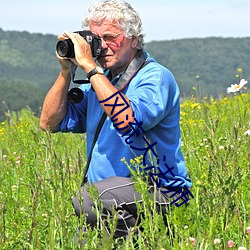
(40, 172)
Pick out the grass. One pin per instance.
(40, 172)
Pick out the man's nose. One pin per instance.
(104, 44)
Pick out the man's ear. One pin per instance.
(134, 42)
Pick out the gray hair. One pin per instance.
(120, 13)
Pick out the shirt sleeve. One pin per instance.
(75, 118)
(155, 95)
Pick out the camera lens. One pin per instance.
(65, 48)
(75, 95)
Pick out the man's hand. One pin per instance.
(66, 63)
(83, 54)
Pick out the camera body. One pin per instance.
(65, 48)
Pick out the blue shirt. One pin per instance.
(154, 97)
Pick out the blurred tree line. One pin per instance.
(202, 67)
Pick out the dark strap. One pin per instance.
(136, 64)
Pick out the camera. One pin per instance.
(65, 48)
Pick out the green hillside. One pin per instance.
(28, 66)
(28, 57)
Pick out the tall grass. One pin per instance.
(40, 172)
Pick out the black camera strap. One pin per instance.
(136, 64)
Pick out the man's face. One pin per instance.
(118, 50)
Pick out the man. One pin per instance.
(142, 117)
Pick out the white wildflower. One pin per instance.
(247, 133)
(242, 248)
(237, 87)
(217, 241)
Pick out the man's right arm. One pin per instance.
(55, 103)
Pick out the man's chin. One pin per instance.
(104, 63)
